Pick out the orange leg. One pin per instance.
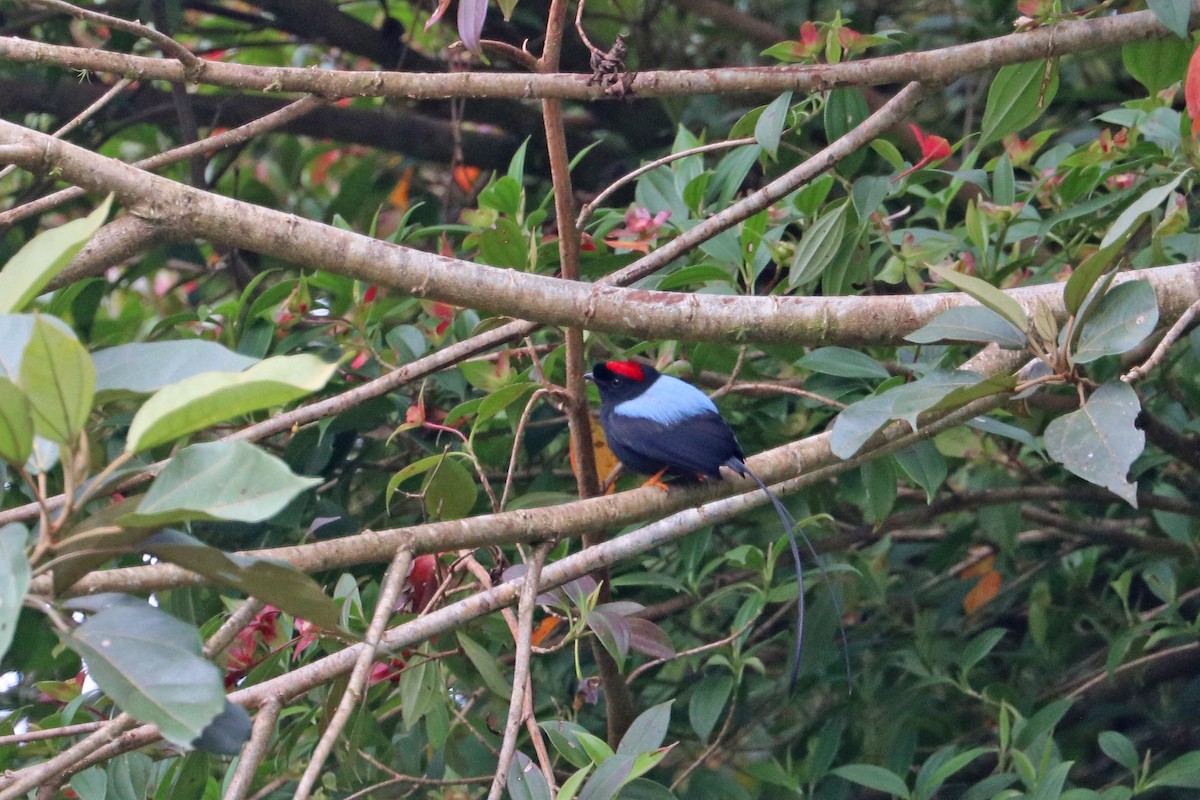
(655, 480)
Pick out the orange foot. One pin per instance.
(655, 480)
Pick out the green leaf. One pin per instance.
(770, 123)
(128, 776)
(505, 244)
(1050, 786)
(499, 400)
(1146, 202)
(1080, 284)
(94, 541)
(570, 787)
(44, 256)
(978, 648)
(1126, 315)
(1118, 747)
(145, 367)
(985, 294)
(818, 246)
(525, 781)
(940, 767)
(273, 582)
(1183, 772)
(485, 664)
(858, 422)
(14, 580)
(1099, 441)
(219, 481)
(449, 490)
(1173, 14)
(608, 778)
(58, 378)
(202, 400)
(845, 109)
(419, 688)
(1157, 64)
(16, 424)
(873, 777)
(91, 784)
(150, 664)
(644, 788)
(843, 362)
(970, 324)
(924, 464)
(564, 736)
(596, 748)
(1018, 96)
(647, 731)
(708, 700)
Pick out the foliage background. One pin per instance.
(1011, 629)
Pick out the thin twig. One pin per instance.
(233, 626)
(516, 706)
(518, 438)
(255, 750)
(208, 146)
(794, 390)
(599, 199)
(695, 650)
(1160, 352)
(191, 63)
(52, 733)
(82, 116)
(708, 751)
(393, 582)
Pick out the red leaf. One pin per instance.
(1191, 90)
(471, 14)
(437, 13)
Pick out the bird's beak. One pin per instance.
(587, 376)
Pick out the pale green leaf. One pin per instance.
(44, 256)
(58, 378)
(219, 481)
(985, 294)
(202, 400)
(16, 424)
(14, 580)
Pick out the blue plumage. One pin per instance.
(655, 423)
(666, 401)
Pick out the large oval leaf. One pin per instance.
(970, 324)
(272, 582)
(28, 272)
(16, 424)
(1018, 95)
(14, 580)
(150, 664)
(1099, 442)
(59, 379)
(1124, 317)
(211, 397)
(145, 367)
(219, 481)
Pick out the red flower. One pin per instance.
(309, 633)
(640, 231)
(933, 148)
(811, 41)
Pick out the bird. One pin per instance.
(660, 425)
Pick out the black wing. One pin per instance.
(696, 446)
